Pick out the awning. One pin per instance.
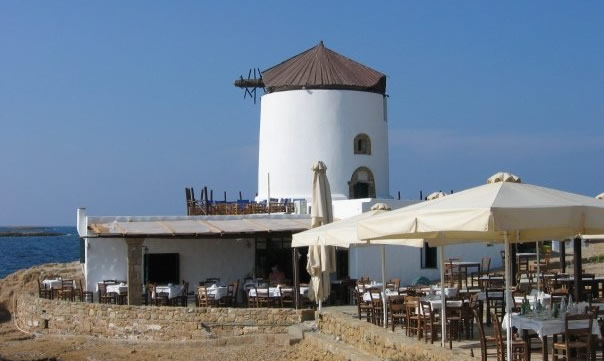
(196, 226)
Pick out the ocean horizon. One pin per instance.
(30, 249)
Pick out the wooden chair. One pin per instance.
(231, 297)
(454, 320)
(181, 300)
(396, 308)
(81, 295)
(431, 321)
(104, 297)
(161, 298)
(520, 350)
(495, 300)
(365, 309)
(485, 268)
(249, 299)
(263, 296)
(414, 319)
(44, 292)
(486, 342)
(377, 305)
(576, 338)
(66, 292)
(204, 299)
(287, 297)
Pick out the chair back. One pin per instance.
(203, 298)
(67, 284)
(102, 289)
(581, 328)
(498, 336)
(426, 310)
(286, 295)
(481, 335)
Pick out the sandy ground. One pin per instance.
(15, 345)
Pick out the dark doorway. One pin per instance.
(361, 190)
(162, 268)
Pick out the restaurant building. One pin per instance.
(318, 105)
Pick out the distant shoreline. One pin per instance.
(31, 234)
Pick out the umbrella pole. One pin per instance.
(507, 297)
(320, 305)
(443, 316)
(384, 306)
(538, 269)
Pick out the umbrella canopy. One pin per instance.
(341, 233)
(504, 177)
(595, 238)
(485, 212)
(321, 259)
(600, 196)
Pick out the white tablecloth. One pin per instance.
(117, 288)
(274, 291)
(367, 295)
(437, 304)
(547, 327)
(172, 291)
(52, 283)
(217, 291)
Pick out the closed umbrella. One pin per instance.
(321, 259)
(496, 212)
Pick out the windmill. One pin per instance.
(250, 85)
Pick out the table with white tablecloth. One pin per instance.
(389, 293)
(120, 289)
(171, 290)
(54, 284)
(275, 291)
(545, 327)
(217, 292)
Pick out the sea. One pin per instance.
(31, 249)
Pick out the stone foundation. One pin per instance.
(383, 343)
(44, 316)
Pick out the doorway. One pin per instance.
(361, 184)
(162, 268)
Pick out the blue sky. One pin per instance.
(117, 106)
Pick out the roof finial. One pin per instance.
(321, 42)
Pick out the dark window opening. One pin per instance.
(428, 256)
(362, 144)
(162, 268)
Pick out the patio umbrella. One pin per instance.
(321, 259)
(496, 212)
(343, 233)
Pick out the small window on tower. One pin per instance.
(362, 144)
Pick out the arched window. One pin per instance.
(362, 144)
(362, 184)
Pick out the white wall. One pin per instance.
(300, 127)
(405, 262)
(227, 259)
(106, 259)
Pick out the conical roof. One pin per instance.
(322, 68)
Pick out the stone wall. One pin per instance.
(381, 342)
(38, 315)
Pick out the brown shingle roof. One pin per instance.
(322, 68)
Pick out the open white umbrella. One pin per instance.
(501, 211)
(343, 233)
(321, 259)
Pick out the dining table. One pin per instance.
(276, 291)
(544, 326)
(172, 290)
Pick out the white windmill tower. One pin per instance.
(320, 105)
